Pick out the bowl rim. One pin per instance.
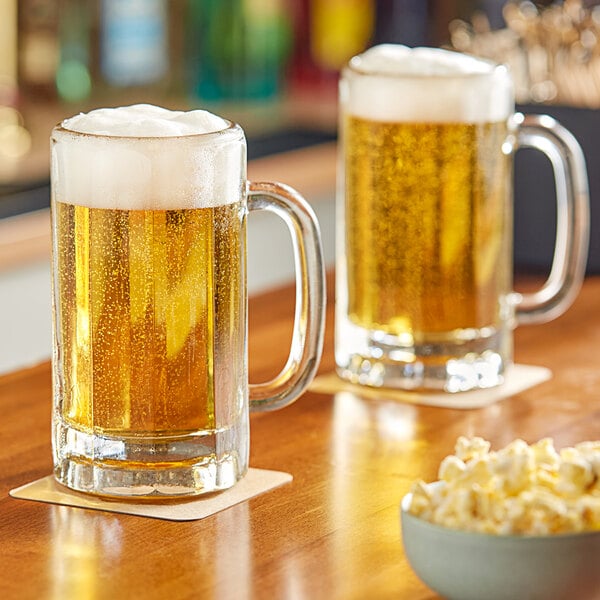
(518, 537)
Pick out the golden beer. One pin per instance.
(424, 271)
(152, 310)
(427, 226)
(424, 294)
(150, 356)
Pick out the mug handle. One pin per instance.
(545, 134)
(309, 320)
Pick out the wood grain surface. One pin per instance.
(334, 531)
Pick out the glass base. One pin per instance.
(147, 467)
(470, 359)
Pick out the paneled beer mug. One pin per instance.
(424, 295)
(151, 393)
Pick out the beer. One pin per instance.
(425, 220)
(149, 255)
(152, 310)
(426, 226)
(150, 360)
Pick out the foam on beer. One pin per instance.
(144, 120)
(147, 157)
(394, 83)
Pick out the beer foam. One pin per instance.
(391, 82)
(144, 120)
(144, 157)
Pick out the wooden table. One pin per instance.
(333, 532)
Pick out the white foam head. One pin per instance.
(395, 83)
(145, 120)
(147, 157)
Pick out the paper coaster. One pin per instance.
(256, 482)
(517, 379)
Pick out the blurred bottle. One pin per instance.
(119, 51)
(8, 53)
(327, 34)
(37, 47)
(237, 49)
(133, 42)
(402, 22)
(15, 140)
(74, 73)
(422, 22)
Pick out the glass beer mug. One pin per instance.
(424, 296)
(151, 393)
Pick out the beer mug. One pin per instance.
(151, 393)
(424, 290)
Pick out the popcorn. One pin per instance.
(451, 468)
(471, 448)
(575, 475)
(520, 489)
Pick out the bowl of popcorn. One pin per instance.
(521, 522)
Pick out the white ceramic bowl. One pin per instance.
(461, 565)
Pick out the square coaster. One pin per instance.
(256, 482)
(517, 379)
